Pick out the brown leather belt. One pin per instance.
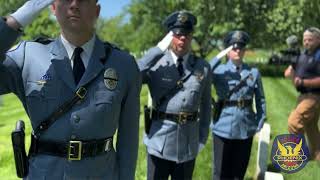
(180, 118)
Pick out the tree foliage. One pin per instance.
(9, 6)
(44, 25)
(139, 27)
(269, 23)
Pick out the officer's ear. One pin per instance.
(53, 8)
(98, 8)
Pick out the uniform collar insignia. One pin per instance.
(166, 79)
(44, 79)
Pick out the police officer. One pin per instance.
(179, 84)
(237, 86)
(44, 74)
(305, 75)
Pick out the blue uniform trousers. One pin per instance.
(231, 157)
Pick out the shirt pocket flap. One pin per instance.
(103, 97)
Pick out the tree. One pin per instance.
(269, 23)
(9, 6)
(285, 19)
(44, 25)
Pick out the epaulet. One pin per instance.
(107, 44)
(108, 48)
(43, 40)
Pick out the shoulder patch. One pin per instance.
(111, 45)
(14, 47)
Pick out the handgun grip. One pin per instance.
(20, 126)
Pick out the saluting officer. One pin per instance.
(237, 85)
(46, 74)
(180, 89)
(305, 75)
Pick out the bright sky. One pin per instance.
(110, 8)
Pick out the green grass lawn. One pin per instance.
(280, 96)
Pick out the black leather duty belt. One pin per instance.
(241, 103)
(180, 118)
(72, 150)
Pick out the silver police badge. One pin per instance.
(110, 78)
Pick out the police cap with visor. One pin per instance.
(237, 39)
(180, 22)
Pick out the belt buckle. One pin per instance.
(182, 118)
(179, 84)
(81, 92)
(240, 103)
(74, 150)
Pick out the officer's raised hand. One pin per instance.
(166, 41)
(29, 11)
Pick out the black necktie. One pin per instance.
(78, 66)
(180, 66)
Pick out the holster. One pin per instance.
(216, 110)
(18, 144)
(147, 119)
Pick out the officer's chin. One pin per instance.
(181, 51)
(237, 59)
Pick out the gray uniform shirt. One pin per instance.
(41, 76)
(167, 139)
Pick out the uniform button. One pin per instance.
(76, 118)
(73, 137)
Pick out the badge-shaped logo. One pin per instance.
(110, 78)
(199, 75)
(182, 17)
(289, 153)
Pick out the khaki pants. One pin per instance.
(304, 119)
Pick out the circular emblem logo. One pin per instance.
(110, 78)
(289, 153)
